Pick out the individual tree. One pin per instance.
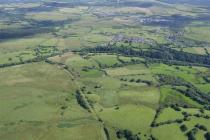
(183, 128)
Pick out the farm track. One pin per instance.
(92, 110)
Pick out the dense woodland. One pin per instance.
(160, 52)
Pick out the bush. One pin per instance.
(127, 134)
(175, 107)
(191, 135)
(132, 80)
(138, 81)
(207, 136)
(185, 114)
(201, 110)
(120, 134)
(89, 92)
(201, 127)
(80, 100)
(183, 128)
(179, 120)
(64, 107)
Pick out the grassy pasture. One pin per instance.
(11, 26)
(147, 11)
(56, 15)
(77, 62)
(146, 77)
(23, 43)
(107, 91)
(204, 87)
(10, 57)
(147, 96)
(171, 131)
(187, 73)
(198, 33)
(32, 97)
(195, 50)
(138, 119)
(170, 96)
(21, 5)
(105, 60)
(62, 58)
(169, 114)
(91, 73)
(201, 121)
(128, 70)
(75, 10)
(15, 57)
(69, 43)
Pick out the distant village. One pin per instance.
(120, 37)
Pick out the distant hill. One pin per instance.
(196, 2)
(18, 1)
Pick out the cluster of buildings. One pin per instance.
(123, 38)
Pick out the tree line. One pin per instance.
(159, 52)
(191, 91)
